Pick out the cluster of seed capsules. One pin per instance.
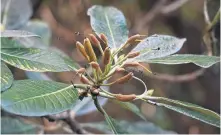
(103, 69)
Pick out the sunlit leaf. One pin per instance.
(32, 59)
(131, 107)
(6, 77)
(38, 98)
(111, 22)
(200, 60)
(157, 46)
(191, 110)
(17, 126)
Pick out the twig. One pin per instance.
(159, 8)
(173, 6)
(68, 117)
(75, 127)
(149, 17)
(179, 78)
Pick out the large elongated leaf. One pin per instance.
(32, 59)
(8, 43)
(157, 46)
(131, 107)
(38, 98)
(6, 77)
(111, 22)
(16, 126)
(200, 60)
(17, 33)
(129, 127)
(191, 110)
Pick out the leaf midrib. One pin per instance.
(15, 56)
(44, 95)
(111, 33)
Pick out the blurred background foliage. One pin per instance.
(57, 21)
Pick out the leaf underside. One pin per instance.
(111, 22)
(157, 46)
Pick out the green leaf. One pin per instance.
(200, 60)
(38, 98)
(139, 127)
(17, 33)
(131, 107)
(111, 22)
(6, 77)
(33, 59)
(17, 126)
(8, 43)
(157, 46)
(191, 110)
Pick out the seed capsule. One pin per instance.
(124, 79)
(96, 66)
(89, 50)
(106, 56)
(131, 64)
(84, 80)
(81, 71)
(119, 70)
(81, 48)
(134, 38)
(125, 98)
(133, 54)
(94, 40)
(103, 38)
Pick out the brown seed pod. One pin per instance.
(89, 50)
(81, 71)
(103, 38)
(81, 48)
(106, 56)
(94, 40)
(120, 70)
(133, 54)
(96, 66)
(124, 79)
(125, 98)
(131, 64)
(134, 38)
(84, 80)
